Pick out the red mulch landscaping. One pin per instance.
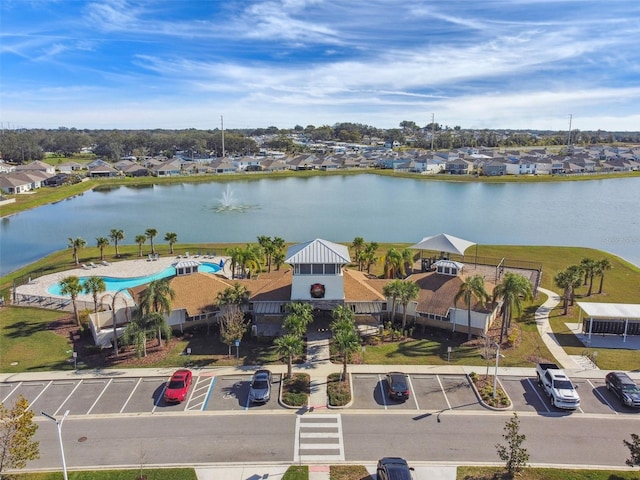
(94, 357)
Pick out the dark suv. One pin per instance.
(393, 468)
(625, 389)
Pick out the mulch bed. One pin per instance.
(92, 357)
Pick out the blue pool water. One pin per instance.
(115, 284)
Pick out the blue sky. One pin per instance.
(185, 63)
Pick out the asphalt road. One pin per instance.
(459, 438)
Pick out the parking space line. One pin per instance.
(384, 398)
(130, 395)
(413, 392)
(101, 393)
(68, 396)
(40, 394)
(160, 397)
(542, 400)
(206, 400)
(11, 392)
(602, 397)
(444, 392)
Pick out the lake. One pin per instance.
(601, 214)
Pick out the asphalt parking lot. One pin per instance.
(229, 393)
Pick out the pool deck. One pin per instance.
(141, 267)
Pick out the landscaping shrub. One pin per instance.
(295, 390)
(339, 392)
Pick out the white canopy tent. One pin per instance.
(443, 243)
(621, 312)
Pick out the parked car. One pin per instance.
(260, 388)
(393, 468)
(398, 384)
(624, 388)
(178, 386)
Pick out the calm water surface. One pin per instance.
(601, 214)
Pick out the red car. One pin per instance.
(178, 386)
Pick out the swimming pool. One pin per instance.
(114, 284)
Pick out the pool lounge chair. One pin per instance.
(105, 263)
(86, 267)
(93, 265)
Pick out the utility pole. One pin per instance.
(433, 127)
(569, 136)
(222, 128)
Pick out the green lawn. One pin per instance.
(495, 473)
(149, 474)
(26, 341)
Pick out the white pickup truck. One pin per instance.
(561, 391)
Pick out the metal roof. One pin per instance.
(318, 251)
(611, 310)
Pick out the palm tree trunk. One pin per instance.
(289, 366)
(601, 282)
(469, 320)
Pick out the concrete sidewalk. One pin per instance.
(316, 472)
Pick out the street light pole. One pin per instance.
(495, 374)
(59, 425)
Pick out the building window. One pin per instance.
(330, 269)
(317, 269)
(305, 269)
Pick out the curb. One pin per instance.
(486, 405)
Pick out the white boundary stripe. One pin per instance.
(535, 390)
(99, 396)
(381, 382)
(602, 397)
(40, 394)
(413, 392)
(11, 392)
(443, 392)
(68, 396)
(131, 395)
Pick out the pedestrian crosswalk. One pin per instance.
(318, 437)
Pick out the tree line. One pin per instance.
(25, 145)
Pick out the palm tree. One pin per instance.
(249, 259)
(408, 291)
(94, 286)
(71, 286)
(369, 255)
(157, 297)
(234, 297)
(114, 299)
(603, 266)
(407, 260)
(278, 259)
(393, 264)
(588, 266)
(268, 248)
(102, 242)
(300, 315)
(151, 233)
(392, 290)
(76, 244)
(116, 236)
(358, 247)
(472, 287)
(576, 277)
(234, 254)
(566, 280)
(137, 331)
(140, 239)
(345, 336)
(512, 291)
(289, 346)
(171, 238)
